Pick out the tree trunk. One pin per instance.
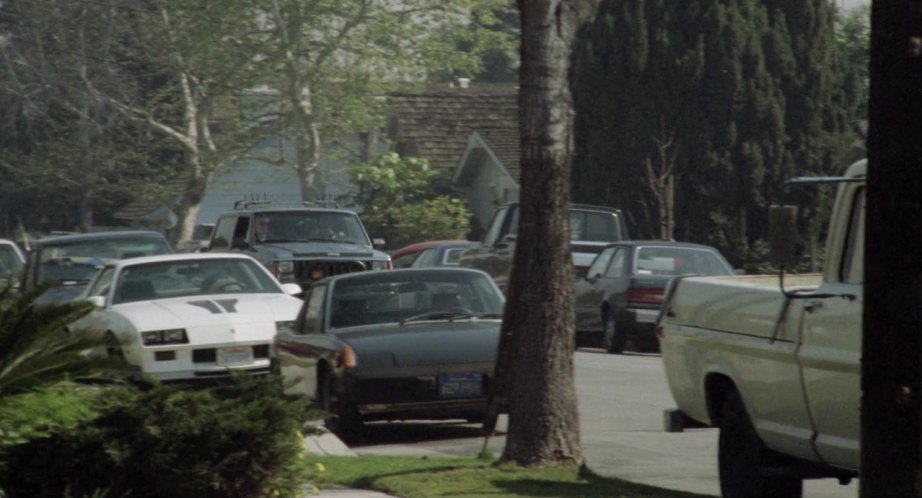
(892, 346)
(535, 373)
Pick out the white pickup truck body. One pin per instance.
(792, 356)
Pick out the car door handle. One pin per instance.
(812, 305)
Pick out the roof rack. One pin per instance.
(244, 204)
(326, 204)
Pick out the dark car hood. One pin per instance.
(323, 250)
(418, 344)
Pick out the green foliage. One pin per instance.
(745, 93)
(240, 440)
(37, 350)
(44, 412)
(400, 202)
(853, 40)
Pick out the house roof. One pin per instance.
(435, 124)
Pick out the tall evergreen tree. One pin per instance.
(732, 97)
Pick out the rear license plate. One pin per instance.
(460, 385)
(241, 355)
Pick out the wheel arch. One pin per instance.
(716, 388)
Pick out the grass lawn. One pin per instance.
(423, 477)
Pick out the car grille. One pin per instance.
(308, 271)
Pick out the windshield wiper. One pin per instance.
(439, 315)
(449, 315)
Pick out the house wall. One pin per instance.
(490, 188)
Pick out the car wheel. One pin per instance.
(741, 454)
(342, 418)
(612, 339)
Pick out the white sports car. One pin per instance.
(190, 316)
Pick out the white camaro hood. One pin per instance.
(231, 318)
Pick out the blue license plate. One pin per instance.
(460, 385)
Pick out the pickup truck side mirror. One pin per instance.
(782, 236)
(379, 242)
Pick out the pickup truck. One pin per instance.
(591, 229)
(773, 362)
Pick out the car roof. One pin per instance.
(400, 271)
(581, 206)
(661, 243)
(268, 209)
(419, 246)
(112, 235)
(184, 256)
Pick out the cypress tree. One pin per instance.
(745, 93)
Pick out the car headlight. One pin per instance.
(381, 265)
(169, 336)
(286, 266)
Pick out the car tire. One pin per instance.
(341, 416)
(613, 339)
(741, 455)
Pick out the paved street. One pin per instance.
(622, 398)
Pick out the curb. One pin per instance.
(325, 443)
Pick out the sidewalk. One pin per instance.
(328, 444)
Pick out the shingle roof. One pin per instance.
(435, 124)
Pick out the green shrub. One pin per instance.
(240, 440)
(44, 412)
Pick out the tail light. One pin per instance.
(643, 296)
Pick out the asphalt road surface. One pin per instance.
(621, 400)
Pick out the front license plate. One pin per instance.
(461, 385)
(240, 355)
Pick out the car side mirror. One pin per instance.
(378, 242)
(292, 289)
(97, 301)
(782, 236)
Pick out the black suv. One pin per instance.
(298, 244)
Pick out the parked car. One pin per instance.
(404, 257)
(442, 253)
(70, 261)
(619, 297)
(298, 244)
(12, 261)
(413, 343)
(190, 316)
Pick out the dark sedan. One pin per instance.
(620, 295)
(394, 345)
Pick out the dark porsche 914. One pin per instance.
(407, 344)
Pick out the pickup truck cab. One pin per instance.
(591, 229)
(775, 362)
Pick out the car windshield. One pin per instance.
(679, 261)
(10, 264)
(311, 226)
(402, 296)
(193, 277)
(79, 261)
